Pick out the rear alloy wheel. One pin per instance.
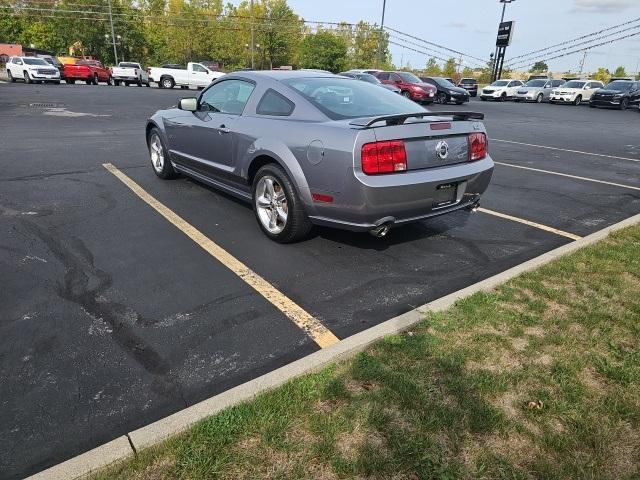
(578, 100)
(27, 78)
(278, 209)
(10, 76)
(624, 104)
(110, 81)
(442, 98)
(95, 79)
(167, 82)
(159, 158)
(539, 98)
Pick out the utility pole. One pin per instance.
(584, 57)
(384, 7)
(253, 40)
(113, 34)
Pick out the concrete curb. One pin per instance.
(178, 422)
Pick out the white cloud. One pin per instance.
(603, 6)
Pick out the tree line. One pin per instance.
(178, 31)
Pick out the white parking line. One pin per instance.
(568, 176)
(530, 223)
(566, 150)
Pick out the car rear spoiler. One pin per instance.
(400, 119)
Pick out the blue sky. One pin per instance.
(470, 25)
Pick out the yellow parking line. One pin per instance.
(566, 150)
(310, 325)
(530, 223)
(568, 176)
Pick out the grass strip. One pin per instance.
(537, 379)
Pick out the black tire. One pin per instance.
(624, 104)
(10, 77)
(126, 84)
(116, 83)
(167, 82)
(578, 100)
(167, 172)
(27, 78)
(503, 97)
(148, 84)
(406, 94)
(298, 225)
(110, 81)
(539, 98)
(139, 82)
(474, 95)
(95, 79)
(69, 81)
(443, 98)
(184, 87)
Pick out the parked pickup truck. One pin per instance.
(91, 71)
(195, 75)
(128, 73)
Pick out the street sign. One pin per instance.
(505, 34)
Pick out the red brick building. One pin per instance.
(9, 50)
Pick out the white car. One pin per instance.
(501, 90)
(129, 72)
(575, 91)
(195, 75)
(32, 70)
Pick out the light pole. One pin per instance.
(494, 74)
(384, 7)
(114, 42)
(113, 35)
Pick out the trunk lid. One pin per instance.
(438, 142)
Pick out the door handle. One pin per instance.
(223, 129)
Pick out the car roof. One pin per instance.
(282, 74)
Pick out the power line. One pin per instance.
(588, 48)
(593, 34)
(428, 49)
(422, 40)
(539, 57)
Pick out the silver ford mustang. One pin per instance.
(310, 148)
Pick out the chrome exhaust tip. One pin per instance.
(380, 231)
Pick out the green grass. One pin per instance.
(451, 399)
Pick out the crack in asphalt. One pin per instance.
(85, 285)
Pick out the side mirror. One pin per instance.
(189, 104)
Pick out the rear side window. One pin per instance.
(272, 103)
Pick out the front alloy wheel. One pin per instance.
(624, 104)
(159, 160)
(442, 98)
(539, 98)
(406, 94)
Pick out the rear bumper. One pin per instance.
(124, 78)
(396, 199)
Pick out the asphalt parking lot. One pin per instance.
(112, 318)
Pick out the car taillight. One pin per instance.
(477, 146)
(384, 157)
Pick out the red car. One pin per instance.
(91, 71)
(410, 85)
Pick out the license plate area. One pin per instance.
(446, 194)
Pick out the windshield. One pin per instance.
(128, 65)
(535, 83)
(500, 83)
(34, 61)
(409, 77)
(574, 84)
(468, 81)
(443, 82)
(365, 77)
(340, 98)
(619, 86)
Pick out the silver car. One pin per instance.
(309, 149)
(537, 90)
